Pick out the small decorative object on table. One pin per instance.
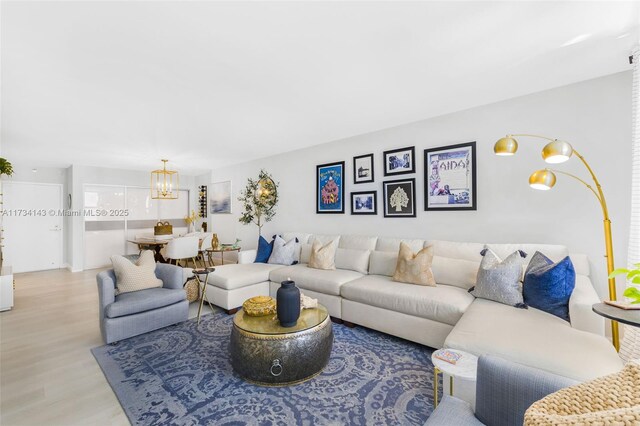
(163, 228)
(307, 302)
(447, 356)
(288, 303)
(259, 306)
(215, 243)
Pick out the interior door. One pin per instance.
(32, 223)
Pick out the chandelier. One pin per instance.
(164, 183)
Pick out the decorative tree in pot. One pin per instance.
(259, 198)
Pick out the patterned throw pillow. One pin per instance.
(136, 276)
(323, 256)
(284, 252)
(499, 280)
(414, 268)
(548, 286)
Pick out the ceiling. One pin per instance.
(208, 84)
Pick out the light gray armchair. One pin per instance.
(504, 391)
(138, 312)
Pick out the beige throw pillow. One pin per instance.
(135, 276)
(323, 256)
(414, 268)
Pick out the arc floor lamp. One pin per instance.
(555, 152)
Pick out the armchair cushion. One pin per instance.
(143, 300)
(135, 276)
(453, 411)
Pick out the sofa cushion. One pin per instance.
(534, 338)
(358, 242)
(324, 239)
(383, 263)
(353, 259)
(499, 279)
(442, 303)
(144, 300)
(456, 250)
(393, 244)
(234, 276)
(554, 252)
(285, 252)
(302, 237)
(321, 281)
(458, 272)
(548, 285)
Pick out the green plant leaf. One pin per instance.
(617, 272)
(632, 293)
(636, 280)
(633, 272)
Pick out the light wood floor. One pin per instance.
(47, 373)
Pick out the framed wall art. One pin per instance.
(365, 202)
(363, 168)
(400, 198)
(399, 161)
(220, 197)
(330, 188)
(450, 177)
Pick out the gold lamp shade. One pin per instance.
(557, 152)
(542, 180)
(506, 146)
(164, 183)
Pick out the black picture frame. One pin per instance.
(390, 163)
(433, 181)
(357, 179)
(389, 187)
(374, 193)
(336, 172)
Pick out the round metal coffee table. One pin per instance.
(265, 353)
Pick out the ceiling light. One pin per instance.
(164, 183)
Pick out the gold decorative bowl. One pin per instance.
(259, 306)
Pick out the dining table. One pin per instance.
(152, 244)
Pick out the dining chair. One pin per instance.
(205, 243)
(183, 249)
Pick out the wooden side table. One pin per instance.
(222, 251)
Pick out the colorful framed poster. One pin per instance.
(400, 161)
(330, 188)
(400, 198)
(363, 168)
(220, 197)
(365, 202)
(450, 177)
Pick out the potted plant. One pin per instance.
(633, 276)
(191, 220)
(259, 199)
(5, 167)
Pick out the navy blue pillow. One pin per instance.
(264, 250)
(548, 286)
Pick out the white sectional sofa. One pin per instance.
(360, 291)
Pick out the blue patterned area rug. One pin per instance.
(181, 375)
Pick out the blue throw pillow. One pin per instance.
(264, 250)
(548, 286)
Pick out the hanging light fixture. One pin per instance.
(164, 183)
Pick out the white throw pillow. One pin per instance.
(456, 272)
(135, 276)
(383, 263)
(284, 253)
(353, 260)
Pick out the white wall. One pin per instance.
(595, 116)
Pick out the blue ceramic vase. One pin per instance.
(288, 303)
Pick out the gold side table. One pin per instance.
(465, 369)
(222, 250)
(198, 272)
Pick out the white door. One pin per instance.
(32, 225)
